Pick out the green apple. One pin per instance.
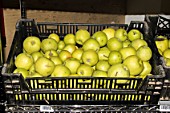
(56, 60)
(134, 34)
(115, 57)
(137, 43)
(169, 43)
(32, 69)
(146, 70)
(60, 71)
(31, 44)
(127, 51)
(167, 61)
(78, 54)
(119, 71)
(61, 45)
(70, 39)
(103, 53)
(121, 34)
(72, 64)
(23, 60)
(101, 37)
(90, 57)
(54, 36)
(50, 53)
(134, 64)
(166, 53)
(91, 44)
(85, 70)
(110, 32)
(114, 44)
(162, 43)
(81, 36)
(144, 53)
(64, 54)
(70, 48)
(126, 43)
(44, 66)
(36, 55)
(102, 65)
(99, 73)
(48, 44)
(22, 71)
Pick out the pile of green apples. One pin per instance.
(106, 53)
(163, 46)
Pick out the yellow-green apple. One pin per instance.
(134, 64)
(60, 71)
(110, 32)
(121, 34)
(114, 44)
(166, 53)
(70, 39)
(77, 54)
(144, 53)
(31, 44)
(50, 53)
(44, 66)
(99, 73)
(102, 65)
(115, 57)
(146, 70)
(23, 60)
(81, 36)
(162, 43)
(137, 43)
(48, 44)
(127, 51)
(134, 34)
(72, 64)
(90, 57)
(70, 48)
(36, 55)
(22, 71)
(85, 70)
(54, 36)
(64, 54)
(56, 60)
(126, 43)
(32, 69)
(61, 45)
(166, 61)
(119, 71)
(91, 44)
(103, 53)
(101, 38)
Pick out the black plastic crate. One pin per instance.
(159, 25)
(2, 92)
(56, 91)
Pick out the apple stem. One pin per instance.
(51, 54)
(88, 60)
(105, 56)
(82, 72)
(116, 74)
(32, 42)
(134, 33)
